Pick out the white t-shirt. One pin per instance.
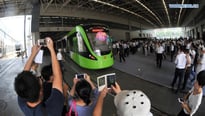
(113, 46)
(194, 102)
(180, 60)
(193, 54)
(172, 47)
(188, 46)
(160, 50)
(201, 65)
(59, 56)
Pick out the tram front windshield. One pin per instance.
(100, 41)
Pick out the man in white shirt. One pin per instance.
(201, 61)
(187, 69)
(159, 51)
(193, 98)
(180, 62)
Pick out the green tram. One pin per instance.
(89, 46)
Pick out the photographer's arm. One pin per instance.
(99, 105)
(72, 91)
(35, 50)
(57, 80)
(186, 96)
(87, 78)
(186, 107)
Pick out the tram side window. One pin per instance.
(70, 38)
(63, 42)
(81, 44)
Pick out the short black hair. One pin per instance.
(186, 51)
(83, 90)
(182, 48)
(201, 78)
(47, 72)
(27, 86)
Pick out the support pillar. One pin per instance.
(35, 21)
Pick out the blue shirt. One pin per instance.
(53, 106)
(86, 110)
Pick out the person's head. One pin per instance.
(28, 86)
(47, 72)
(181, 48)
(83, 90)
(132, 103)
(200, 80)
(186, 51)
(202, 50)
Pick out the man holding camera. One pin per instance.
(29, 88)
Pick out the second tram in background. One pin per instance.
(89, 46)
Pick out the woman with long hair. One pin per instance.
(83, 96)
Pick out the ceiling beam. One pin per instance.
(166, 10)
(125, 10)
(48, 5)
(194, 13)
(180, 11)
(90, 14)
(150, 11)
(65, 3)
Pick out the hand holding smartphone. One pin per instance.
(106, 81)
(42, 42)
(80, 76)
(111, 78)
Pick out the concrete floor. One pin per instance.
(157, 81)
(138, 72)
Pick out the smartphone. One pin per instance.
(106, 81)
(42, 42)
(39, 57)
(111, 78)
(101, 82)
(180, 100)
(80, 76)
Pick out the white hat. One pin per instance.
(132, 103)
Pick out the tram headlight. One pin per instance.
(92, 57)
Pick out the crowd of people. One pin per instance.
(49, 95)
(187, 54)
